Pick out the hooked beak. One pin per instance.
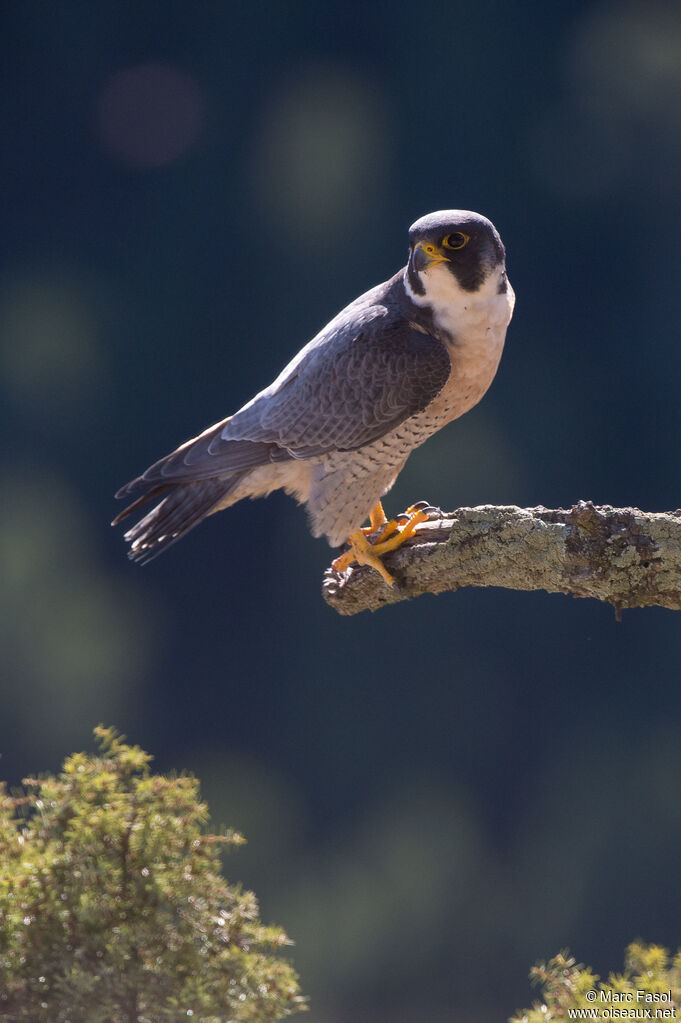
(426, 255)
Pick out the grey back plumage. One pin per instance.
(371, 376)
(363, 375)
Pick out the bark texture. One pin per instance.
(622, 556)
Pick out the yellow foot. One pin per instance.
(379, 524)
(385, 530)
(392, 536)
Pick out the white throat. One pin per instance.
(473, 326)
(464, 315)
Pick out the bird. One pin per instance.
(337, 425)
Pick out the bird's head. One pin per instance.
(457, 242)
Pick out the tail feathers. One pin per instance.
(185, 506)
(144, 499)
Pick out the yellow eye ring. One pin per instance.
(457, 240)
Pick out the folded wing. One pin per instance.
(348, 389)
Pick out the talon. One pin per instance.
(343, 562)
(406, 531)
(364, 553)
(388, 530)
(369, 552)
(430, 510)
(384, 531)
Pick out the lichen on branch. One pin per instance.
(621, 556)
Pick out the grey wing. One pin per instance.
(345, 392)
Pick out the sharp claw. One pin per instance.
(343, 561)
(367, 545)
(429, 510)
(386, 530)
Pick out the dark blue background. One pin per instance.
(439, 794)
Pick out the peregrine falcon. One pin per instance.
(339, 422)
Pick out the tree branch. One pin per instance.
(622, 556)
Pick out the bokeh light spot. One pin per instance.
(322, 152)
(65, 627)
(50, 353)
(150, 115)
(622, 77)
(626, 62)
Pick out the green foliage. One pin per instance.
(113, 908)
(651, 983)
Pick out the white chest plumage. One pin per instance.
(473, 326)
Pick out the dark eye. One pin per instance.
(457, 240)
